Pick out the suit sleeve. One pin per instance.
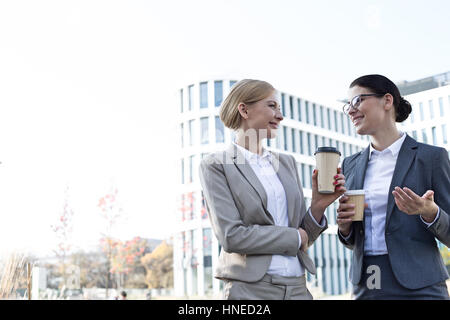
(348, 242)
(312, 228)
(230, 230)
(441, 188)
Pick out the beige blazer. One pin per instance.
(237, 205)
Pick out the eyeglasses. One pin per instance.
(356, 101)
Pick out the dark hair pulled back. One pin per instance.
(380, 84)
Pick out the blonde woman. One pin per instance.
(256, 205)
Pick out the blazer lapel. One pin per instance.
(361, 167)
(289, 184)
(244, 167)
(405, 158)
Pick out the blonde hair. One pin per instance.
(246, 91)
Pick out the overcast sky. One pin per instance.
(88, 91)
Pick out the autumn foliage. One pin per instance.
(159, 267)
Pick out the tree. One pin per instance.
(63, 230)
(159, 267)
(111, 212)
(125, 256)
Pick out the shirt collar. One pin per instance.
(393, 148)
(250, 156)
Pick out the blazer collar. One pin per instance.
(280, 168)
(243, 166)
(405, 158)
(361, 167)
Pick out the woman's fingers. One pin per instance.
(345, 215)
(345, 207)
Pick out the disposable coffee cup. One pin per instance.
(327, 161)
(356, 197)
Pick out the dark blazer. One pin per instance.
(412, 247)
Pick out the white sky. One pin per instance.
(88, 90)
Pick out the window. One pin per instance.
(191, 168)
(293, 140)
(351, 149)
(307, 111)
(182, 134)
(191, 127)
(335, 121)
(316, 142)
(310, 176)
(424, 136)
(191, 96)
(349, 126)
(441, 107)
(414, 134)
(299, 108)
(283, 111)
(218, 93)
(181, 100)
(421, 111)
(322, 124)
(314, 115)
(204, 132)
(301, 142)
(291, 107)
(342, 124)
(430, 104)
(220, 137)
(204, 95)
(328, 119)
(308, 137)
(303, 175)
(444, 133)
(268, 142)
(182, 171)
(433, 135)
(344, 148)
(285, 138)
(232, 83)
(412, 114)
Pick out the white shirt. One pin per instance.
(286, 266)
(380, 170)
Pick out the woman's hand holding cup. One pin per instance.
(346, 212)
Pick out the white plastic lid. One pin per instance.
(354, 192)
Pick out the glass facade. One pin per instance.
(204, 132)
(220, 134)
(191, 132)
(444, 133)
(191, 97)
(433, 135)
(203, 95)
(422, 116)
(430, 104)
(218, 93)
(441, 106)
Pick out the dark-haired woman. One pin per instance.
(407, 195)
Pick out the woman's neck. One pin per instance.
(249, 143)
(384, 138)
